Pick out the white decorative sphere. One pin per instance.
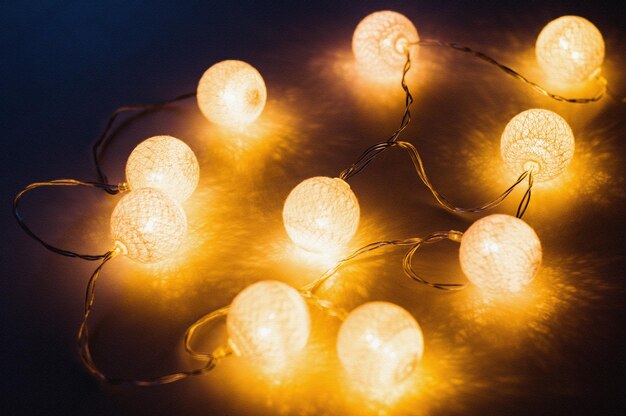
(570, 49)
(500, 254)
(540, 140)
(379, 345)
(268, 322)
(164, 163)
(231, 93)
(321, 214)
(148, 225)
(380, 42)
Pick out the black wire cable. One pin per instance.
(58, 182)
(85, 352)
(105, 137)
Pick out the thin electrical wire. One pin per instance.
(442, 200)
(523, 205)
(429, 239)
(85, 352)
(371, 152)
(105, 138)
(414, 242)
(191, 330)
(513, 73)
(57, 182)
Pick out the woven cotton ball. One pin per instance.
(500, 254)
(380, 42)
(148, 225)
(165, 163)
(537, 140)
(268, 323)
(379, 345)
(321, 214)
(231, 93)
(570, 49)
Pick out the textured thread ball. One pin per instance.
(570, 49)
(231, 93)
(148, 224)
(164, 163)
(379, 43)
(321, 214)
(379, 345)
(539, 140)
(500, 254)
(268, 322)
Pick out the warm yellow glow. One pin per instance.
(539, 140)
(164, 163)
(231, 93)
(380, 42)
(268, 323)
(500, 254)
(570, 49)
(148, 225)
(321, 214)
(379, 345)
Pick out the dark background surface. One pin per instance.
(66, 65)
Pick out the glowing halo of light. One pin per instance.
(321, 214)
(380, 41)
(540, 140)
(231, 93)
(379, 345)
(500, 254)
(268, 323)
(148, 225)
(570, 49)
(165, 163)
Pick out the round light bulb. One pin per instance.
(379, 345)
(570, 49)
(500, 254)
(268, 322)
(321, 214)
(164, 163)
(380, 42)
(540, 140)
(148, 225)
(231, 93)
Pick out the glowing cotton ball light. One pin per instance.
(500, 254)
(379, 345)
(380, 42)
(231, 93)
(321, 214)
(540, 140)
(570, 49)
(148, 225)
(268, 323)
(164, 163)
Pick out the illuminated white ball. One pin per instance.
(164, 163)
(570, 49)
(540, 140)
(380, 42)
(148, 225)
(268, 323)
(500, 254)
(231, 93)
(379, 345)
(321, 214)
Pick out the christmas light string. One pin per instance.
(498, 253)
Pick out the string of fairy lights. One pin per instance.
(379, 344)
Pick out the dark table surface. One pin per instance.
(556, 349)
